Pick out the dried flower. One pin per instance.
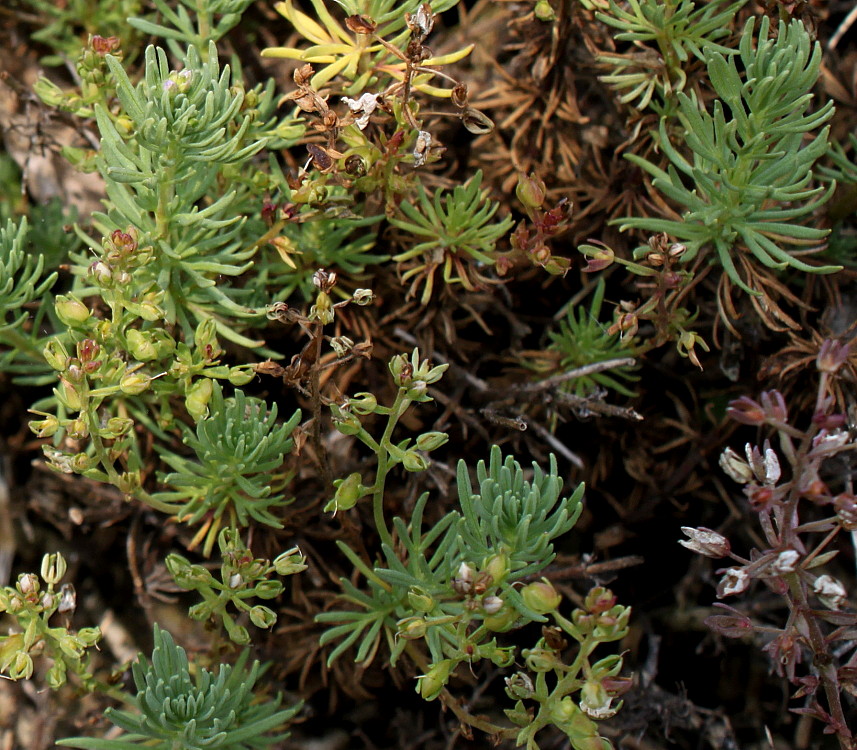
(422, 147)
(785, 562)
(832, 355)
(705, 542)
(734, 581)
(830, 592)
(365, 105)
(735, 467)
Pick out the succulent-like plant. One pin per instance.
(665, 34)
(458, 233)
(749, 175)
(582, 339)
(177, 136)
(355, 53)
(176, 708)
(23, 280)
(237, 476)
(208, 21)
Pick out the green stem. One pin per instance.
(399, 406)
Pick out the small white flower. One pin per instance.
(492, 604)
(734, 581)
(786, 561)
(235, 580)
(366, 105)
(830, 591)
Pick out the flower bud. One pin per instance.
(53, 568)
(411, 628)
(429, 441)
(262, 617)
(55, 355)
(541, 597)
(543, 11)
(531, 191)
(134, 384)
(140, 345)
(237, 633)
(198, 396)
(497, 567)
(432, 682)
(69, 396)
(239, 376)
(45, 428)
(101, 272)
(492, 604)
(420, 600)
(502, 621)
(70, 310)
(268, 589)
(413, 461)
(363, 403)
(348, 492)
(290, 562)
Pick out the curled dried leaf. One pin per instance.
(476, 122)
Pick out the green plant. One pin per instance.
(237, 476)
(32, 607)
(315, 239)
(176, 708)
(241, 577)
(179, 137)
(363, 52)
(455, 586)
(68, 23)
(23, 280)
(664, 34)
(582, 339)
(750, 172)
(208, 21)
(457, 231)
